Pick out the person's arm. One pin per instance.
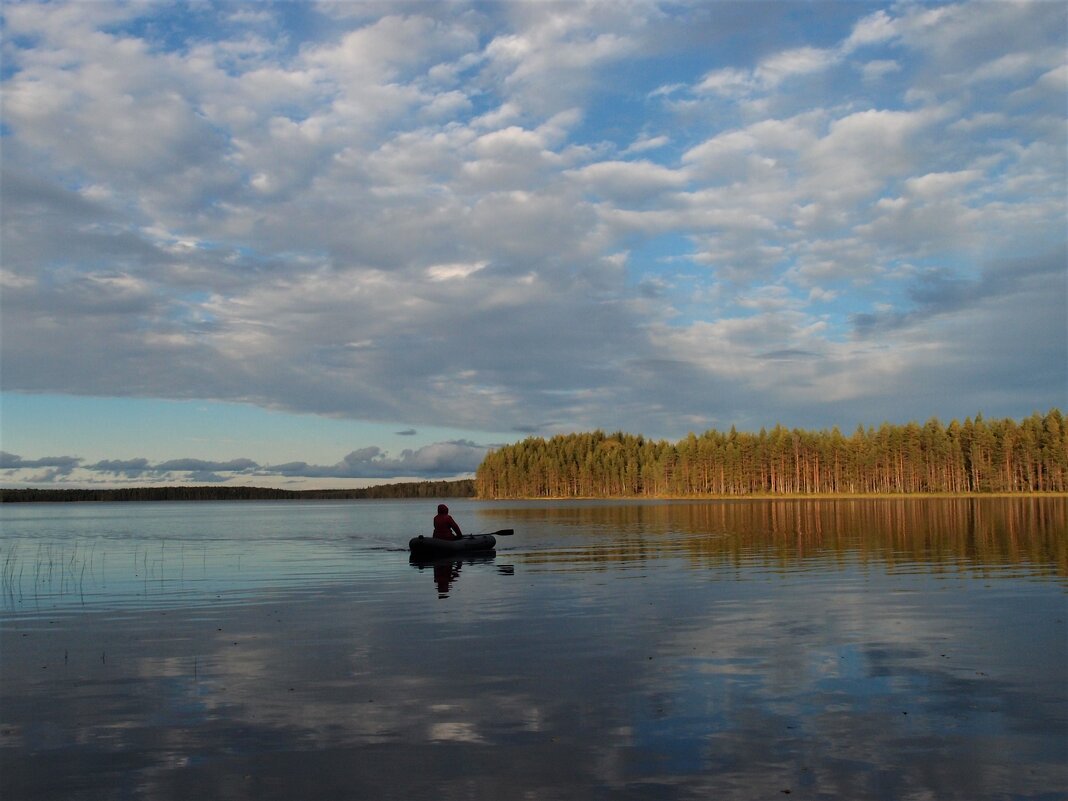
(455, 527)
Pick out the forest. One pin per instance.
(463, 488)
(976, 456)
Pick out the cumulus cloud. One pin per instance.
(432, 461)
(435, 461)
(490, 214)
(12, 461)
(44, 470)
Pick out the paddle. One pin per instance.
(504, 532)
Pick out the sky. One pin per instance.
(308, 244)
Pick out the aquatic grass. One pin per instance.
(9, 583)
(57, 571)
(51, 574)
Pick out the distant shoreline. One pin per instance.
(463, 488)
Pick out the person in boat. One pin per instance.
(445, 528)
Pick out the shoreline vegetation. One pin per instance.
(976, 458)
(209, 493)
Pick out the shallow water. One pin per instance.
(886, 649)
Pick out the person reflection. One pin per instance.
(445, 573)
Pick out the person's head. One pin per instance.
(443, 509)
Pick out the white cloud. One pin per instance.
(644, 143)
(878, 69)
(1056, 80)
(862, 150)
(873, 29)
(629, 179)
(804, 60)
(446, 272)
(935, 184)
(727, 81)
(379, 52)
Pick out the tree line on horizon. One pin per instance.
(975, 456)
(462, 488)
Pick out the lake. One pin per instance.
(810, 649)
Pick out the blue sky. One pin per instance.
(307, 244)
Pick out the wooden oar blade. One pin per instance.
(504, 532)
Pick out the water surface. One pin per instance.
(886, 649)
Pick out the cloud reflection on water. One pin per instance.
(676, 669)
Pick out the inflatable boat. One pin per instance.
(431, 547)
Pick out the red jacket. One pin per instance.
(444, 526)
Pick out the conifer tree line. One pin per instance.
(460, 488)
(977, 455)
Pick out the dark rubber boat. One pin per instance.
(431, 547)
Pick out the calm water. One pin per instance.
(740, 650)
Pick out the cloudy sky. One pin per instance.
(325, 243)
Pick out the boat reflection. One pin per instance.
(446, 569)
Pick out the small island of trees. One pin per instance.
(976, 456)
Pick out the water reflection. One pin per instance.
(446, 570)
(669, 651)
(923, 534)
